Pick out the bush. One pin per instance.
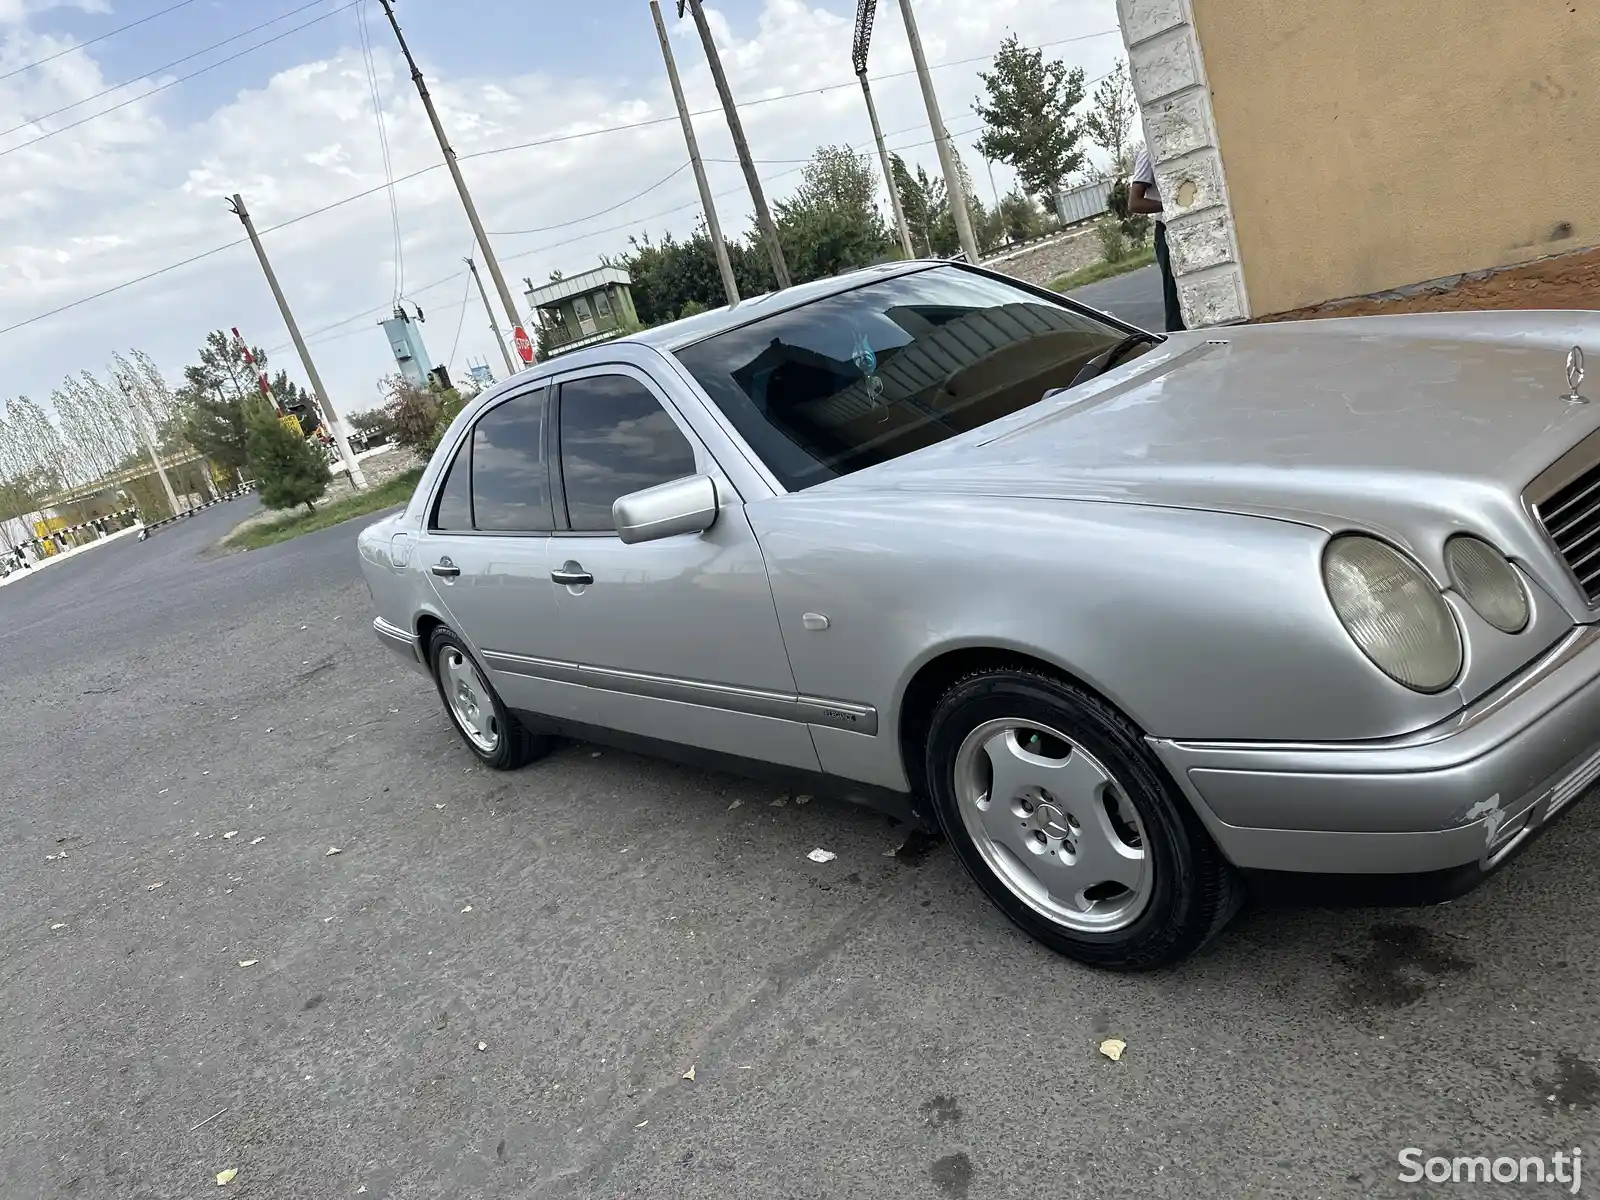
(289, 470)
(421, 415)
(1113, 242)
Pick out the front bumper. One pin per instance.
(401, 642)
(1469, 790)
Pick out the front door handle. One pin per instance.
(571, 574)
(445, 569)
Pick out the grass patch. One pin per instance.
(1095, 272)
(396, 491)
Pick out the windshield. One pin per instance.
(867, 375)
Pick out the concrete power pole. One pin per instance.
(730, 286)
(489, 259)
(335, 425)
(149, 443)
(865, 11)
(947, 156)
(769, 231)
(493, 324)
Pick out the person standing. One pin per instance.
(1144, 197)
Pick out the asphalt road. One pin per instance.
(868, 1027)
(1134, 298)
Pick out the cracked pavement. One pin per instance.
(858, 1028)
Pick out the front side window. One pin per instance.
(615, 439)
(510, 482)
(868, 375)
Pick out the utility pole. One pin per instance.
(335, 425)
(493, 324)
(888, 169)
(865, 11)
(769, 231)
(149, 443)
(730, 286)
(947, 156)
(489, 259)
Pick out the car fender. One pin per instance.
(1196, 624)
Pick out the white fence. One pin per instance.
(1084, 202)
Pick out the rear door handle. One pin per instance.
(572, 575)
(445, 569)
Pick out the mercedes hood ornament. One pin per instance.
(1574, 376)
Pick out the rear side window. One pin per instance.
(510, 482)
(454, 510)
(615, 439)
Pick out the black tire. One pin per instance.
(515, 747)
(1195, 891)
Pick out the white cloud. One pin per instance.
(143, 187)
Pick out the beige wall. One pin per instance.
(1370, 144)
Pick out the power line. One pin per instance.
(706, 112)
(630, 224)
(110, 33)
(361, 195)
(383, 145)
(673, 174)
(175, 82)
(116, 87)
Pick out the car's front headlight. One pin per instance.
(1487, 582)
(1393, 611)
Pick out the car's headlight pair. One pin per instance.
(1395, 613)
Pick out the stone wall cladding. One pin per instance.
(1168, 73)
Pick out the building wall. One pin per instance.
(1169, 79)
(1371, 144)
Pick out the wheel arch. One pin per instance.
(940, 669)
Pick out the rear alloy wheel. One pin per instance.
(1062, 815)
(489, 729)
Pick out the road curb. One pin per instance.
(183, 516)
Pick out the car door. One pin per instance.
(485, 546)
(677, 639)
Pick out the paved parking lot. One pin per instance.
(193, 733)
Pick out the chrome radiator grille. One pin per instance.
(1571, 517)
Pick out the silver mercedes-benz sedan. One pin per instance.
(1125, 616)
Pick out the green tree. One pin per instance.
(669, 274)
(1028, 121)
(1109, 121)
(921, 199)
(831, 223)
(217, 397)
(289, 469)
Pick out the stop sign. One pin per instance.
(523, 343)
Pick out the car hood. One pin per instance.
(1326, 422)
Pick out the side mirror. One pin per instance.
(686, 505)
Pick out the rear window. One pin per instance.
(868, 375)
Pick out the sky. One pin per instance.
(289, 123)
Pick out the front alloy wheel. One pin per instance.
(1064, 817)
(1051, 823)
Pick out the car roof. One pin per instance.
(675, 335)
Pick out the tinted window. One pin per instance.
(510, 485)
(454, 510)
(615, 439)
(867, 375)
